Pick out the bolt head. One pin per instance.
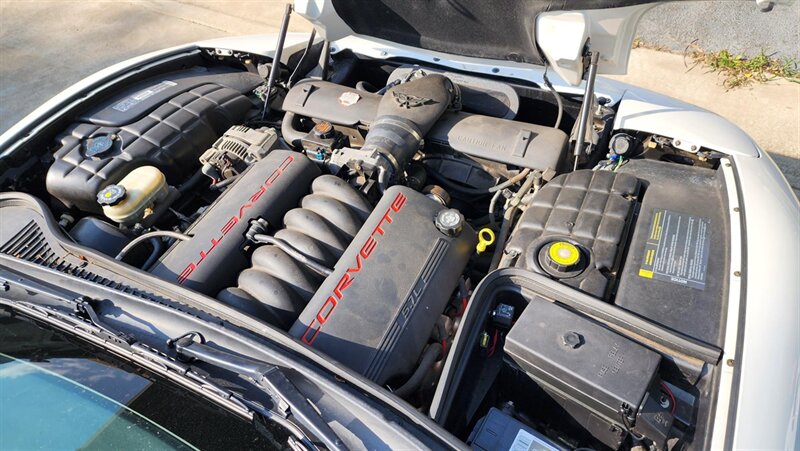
(572, 340)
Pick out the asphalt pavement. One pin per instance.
(45, 46)
(737, 26)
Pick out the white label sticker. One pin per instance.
(525, 441)
(129, 102)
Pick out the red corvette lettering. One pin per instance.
(368, 247)
(231, 223)
(398, 203)
(254, 197)
(324, 313)
(330, 301)
(271, 179)
(186, 272)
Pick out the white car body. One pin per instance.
(759, 393)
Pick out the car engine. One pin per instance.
(425, 228)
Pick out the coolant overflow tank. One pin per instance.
(127, 201)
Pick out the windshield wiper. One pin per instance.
(287, 399)
(85, 323)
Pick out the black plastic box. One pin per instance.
(499, 431)
(572, 357)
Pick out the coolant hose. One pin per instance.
(291, 134)
(428, 359)
(157, 248)
(189, 185)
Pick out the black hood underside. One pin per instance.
(499, 29)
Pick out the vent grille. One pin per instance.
(30, 244)
(234, 147)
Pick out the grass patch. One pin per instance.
(739, 70)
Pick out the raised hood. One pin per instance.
(524, 31)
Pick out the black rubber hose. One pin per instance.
(428, 359)
(290, 134)
(157, 247)
(223, 183)
(188, 185)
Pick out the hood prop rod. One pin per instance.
(276, 60)
(586, 107)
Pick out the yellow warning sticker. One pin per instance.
(677, 249)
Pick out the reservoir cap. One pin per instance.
(111, 195)
(562, 256)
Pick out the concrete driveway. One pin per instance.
(46, 46)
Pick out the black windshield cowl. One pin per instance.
(288, 401)
(91, 397)
(85, 323)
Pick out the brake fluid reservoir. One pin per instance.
(128, 201)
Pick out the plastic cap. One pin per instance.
(98, 145)
(450, 222)
(111, 195)
(563, 255)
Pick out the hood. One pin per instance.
(523, 31)
(505, 30)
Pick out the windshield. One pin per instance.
(42, 407)
(58, 394)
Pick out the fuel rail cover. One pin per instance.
(375, 312)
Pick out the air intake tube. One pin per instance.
(405, 114)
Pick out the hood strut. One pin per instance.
(276, 61)
(586, 107)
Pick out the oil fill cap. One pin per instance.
(563, 256)
(450, 222)
(111, 195)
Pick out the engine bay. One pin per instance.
(429, 229)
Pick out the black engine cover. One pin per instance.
(214, 256)
(165, 122)
(376, 311)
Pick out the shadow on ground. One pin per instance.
(789, 166)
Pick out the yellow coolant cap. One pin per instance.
(564, 255)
